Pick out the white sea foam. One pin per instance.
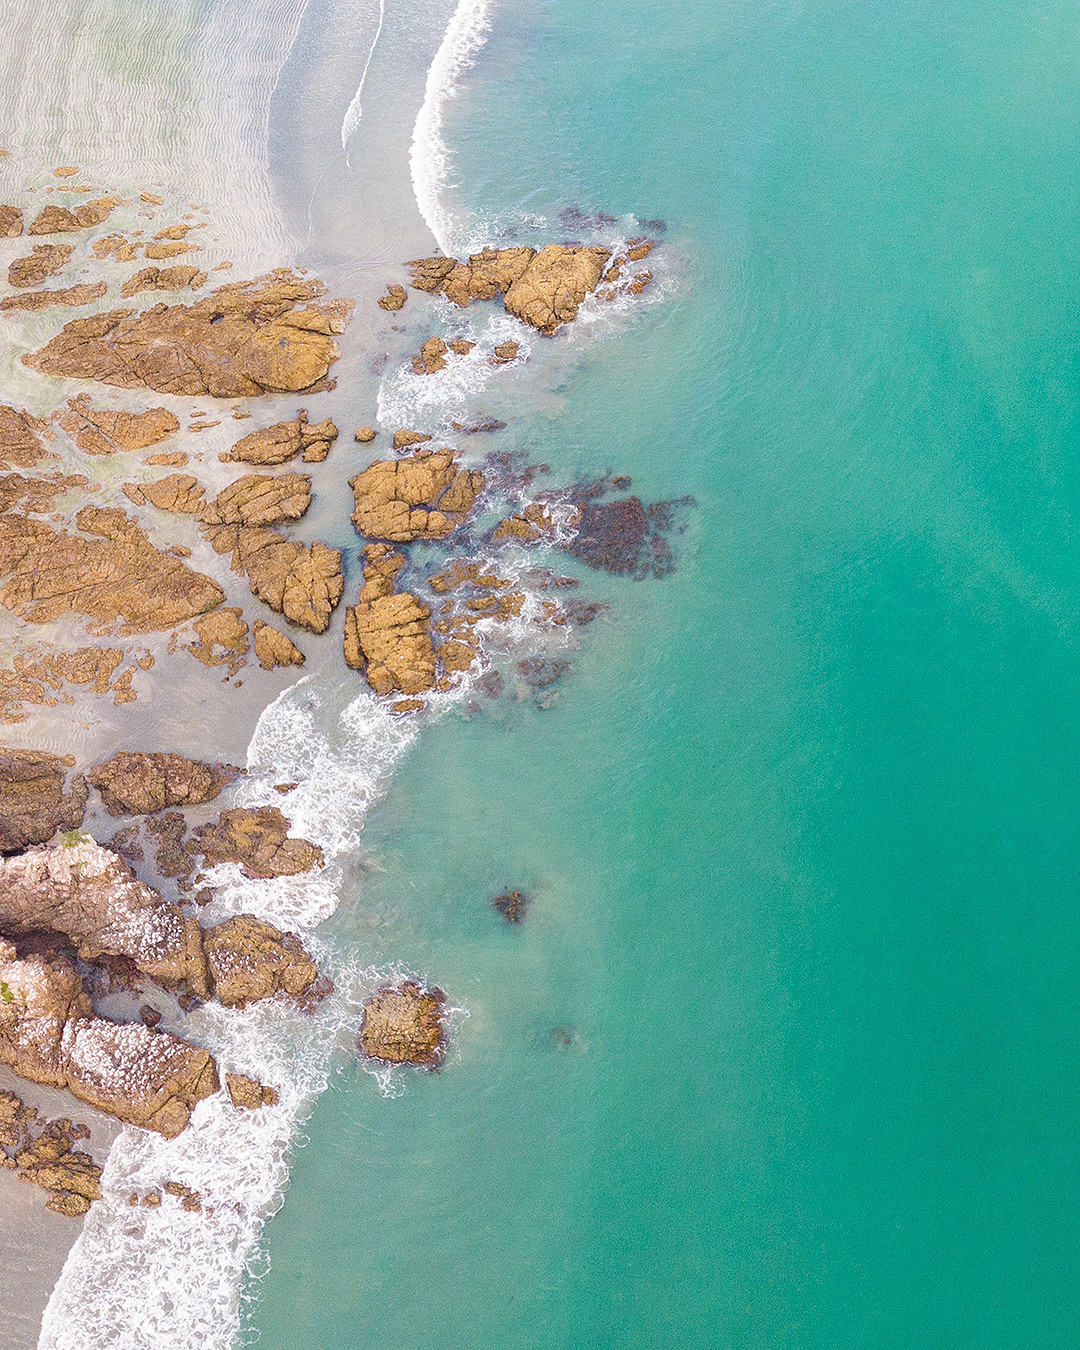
(429, 157)
(355, 110)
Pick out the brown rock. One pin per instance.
(386, 632)
(106, 431)
(249, 1093)
(428, 274)
(484, 276)
(534, 524)
(404, 1025)
(260, 499)
(222, 639)
(135, 782)
(20, 446)
(163, 279)
(243, 339)
(44, 262)
(250, 959)
(461, 346)
(117, 575)
(273, 648)
(91, 896)
(513, 906)
(180, 493)
(171, 858)
(302, 582)
(54, 220)
(404, 438)
(284, 441)
(257, 839)
(558, 279)
(432, 357)
(11, 222)
(72, 295)
(425, 495)
(394, 298)
(506, 351)
(33, 802)
(364, 435)
(96, 212)
(49, 1034)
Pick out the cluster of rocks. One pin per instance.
(43, 1153)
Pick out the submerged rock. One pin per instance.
(403, 1024)
(49, 1034)
(259, 840)
(424, 495)
(386, 631)
(249, 959)
(248, 338)
(138, 782)
(178, 278)
(513, 906)
(625, 537)
(34, 800)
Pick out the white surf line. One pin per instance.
(354, 111)
(429, 157)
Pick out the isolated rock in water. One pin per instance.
(33, 802)
(513, 906)
(424, 495)
(301, 581)
(71, 295)
(364, 435)
(249, 1093)
(394, 298)
(11, 222)
(20, 445)
(249, 959)
(116, 576)
(43, 262)
(135, 782)
(176, 278)
(386, 632)
(106, 431)
(549, 293)
(91, 896)
(273, 648)
(506, 351)
(284, 441)
(260, 499)
(432, 357)
(49, 1034)
(248, 338)
(257, 839)
(404, 1025)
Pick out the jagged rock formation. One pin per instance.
(273, 648)
(249, 1093)
(43, 1152)
(135, 782)
(222, 639)
(284, 441)
(59, 220)
(386, 631)
(260, 499)
(176, 278)
(20, 445)
(49, 1034)
(394, 298)
(34, 800)
(117, 576)
(424, 495)
(543, 289)
(11, 222)
(404, 1025)
(301, 581)
(44, 261)
(92, 898)
(32, 301)
(249, 959)
(534, 524)
(258, 839)
(107, 431)
(244, 339)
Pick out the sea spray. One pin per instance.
(429, 156)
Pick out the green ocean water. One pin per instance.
(802, 825)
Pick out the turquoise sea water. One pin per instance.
(802, 826)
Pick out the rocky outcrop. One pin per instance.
(273, 648)
(394, 298)
(108, 431)
(20, 445)
(32, 301)
(177, 278)
(248, 1093)
(404, 1024)
(11, 222)
(43, 1152)
(39, 678)
(115, 576)
(432, 357)
(91, 897)
(49, 1034)
(284, 441)
(34, 800)
(259, 840)
(386, 632)
(550, 291)
(249, 338)
(249, 959)
(364, 435)
(505, 352)
(137, 783)
(260, 499)
(301, 581)
(534, 524)
(404, 438)
(543, 289)
(38, 266)
(424, 495)
(221, 639)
